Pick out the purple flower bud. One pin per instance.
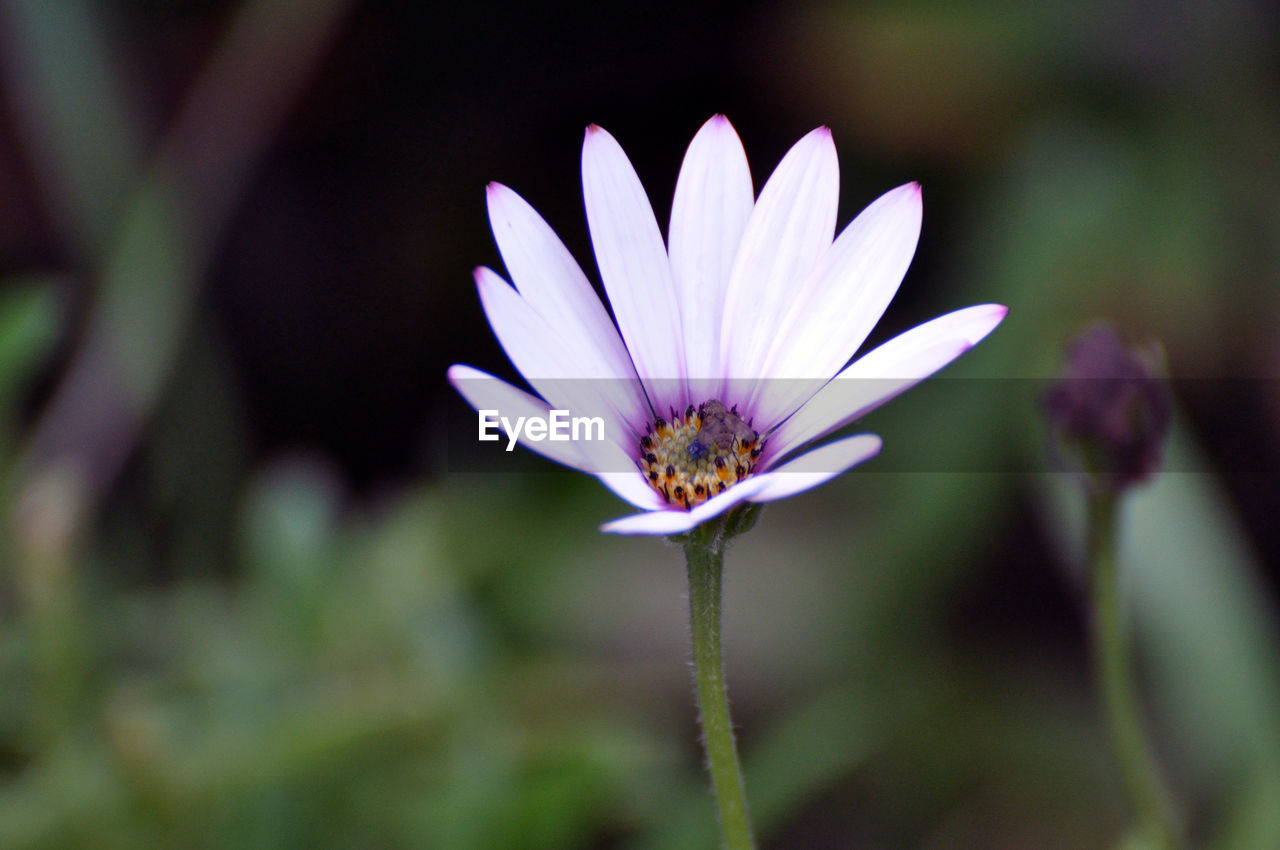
(1110, 411)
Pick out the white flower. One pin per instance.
(730, 350)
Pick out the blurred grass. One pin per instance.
(201, 649)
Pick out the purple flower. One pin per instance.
(730, 355)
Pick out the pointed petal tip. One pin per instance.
(496, 196)
(822, 137)
(907, 191)
(487, 280)
(460, 373)
(820, 143)
(719, 128)
(717, 123)
(972, 324)
(597, 136)
(991, 316)
(819, 136)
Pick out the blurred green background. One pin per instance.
(244, 601)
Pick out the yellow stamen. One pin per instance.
(697, 454)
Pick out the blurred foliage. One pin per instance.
(209, 638)
(347, 692)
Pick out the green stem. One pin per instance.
(1111, 657)
(704, 550)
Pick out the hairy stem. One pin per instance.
(705, 555)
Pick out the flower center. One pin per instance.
(694, 456)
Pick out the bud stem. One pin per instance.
(1142, 780)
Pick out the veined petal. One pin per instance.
(854, 283)
(847, 397)
(566, 378)
(664, 522)
(633, 264)
(552, 283)
(901, 356)
(817, 467)
(841, 301)
(713, 200)
(790, 226)
(883, 373)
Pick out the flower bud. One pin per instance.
(1109, 413)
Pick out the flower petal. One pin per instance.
(603, 459)
(790, 226)
(841, 302)
(854, 283)
(485, 392)
(670, 521)
(883, 373)
(712, 203)
(817, 467)
(632, 487)
(552, 283)
(568, 379)
(633, 264)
